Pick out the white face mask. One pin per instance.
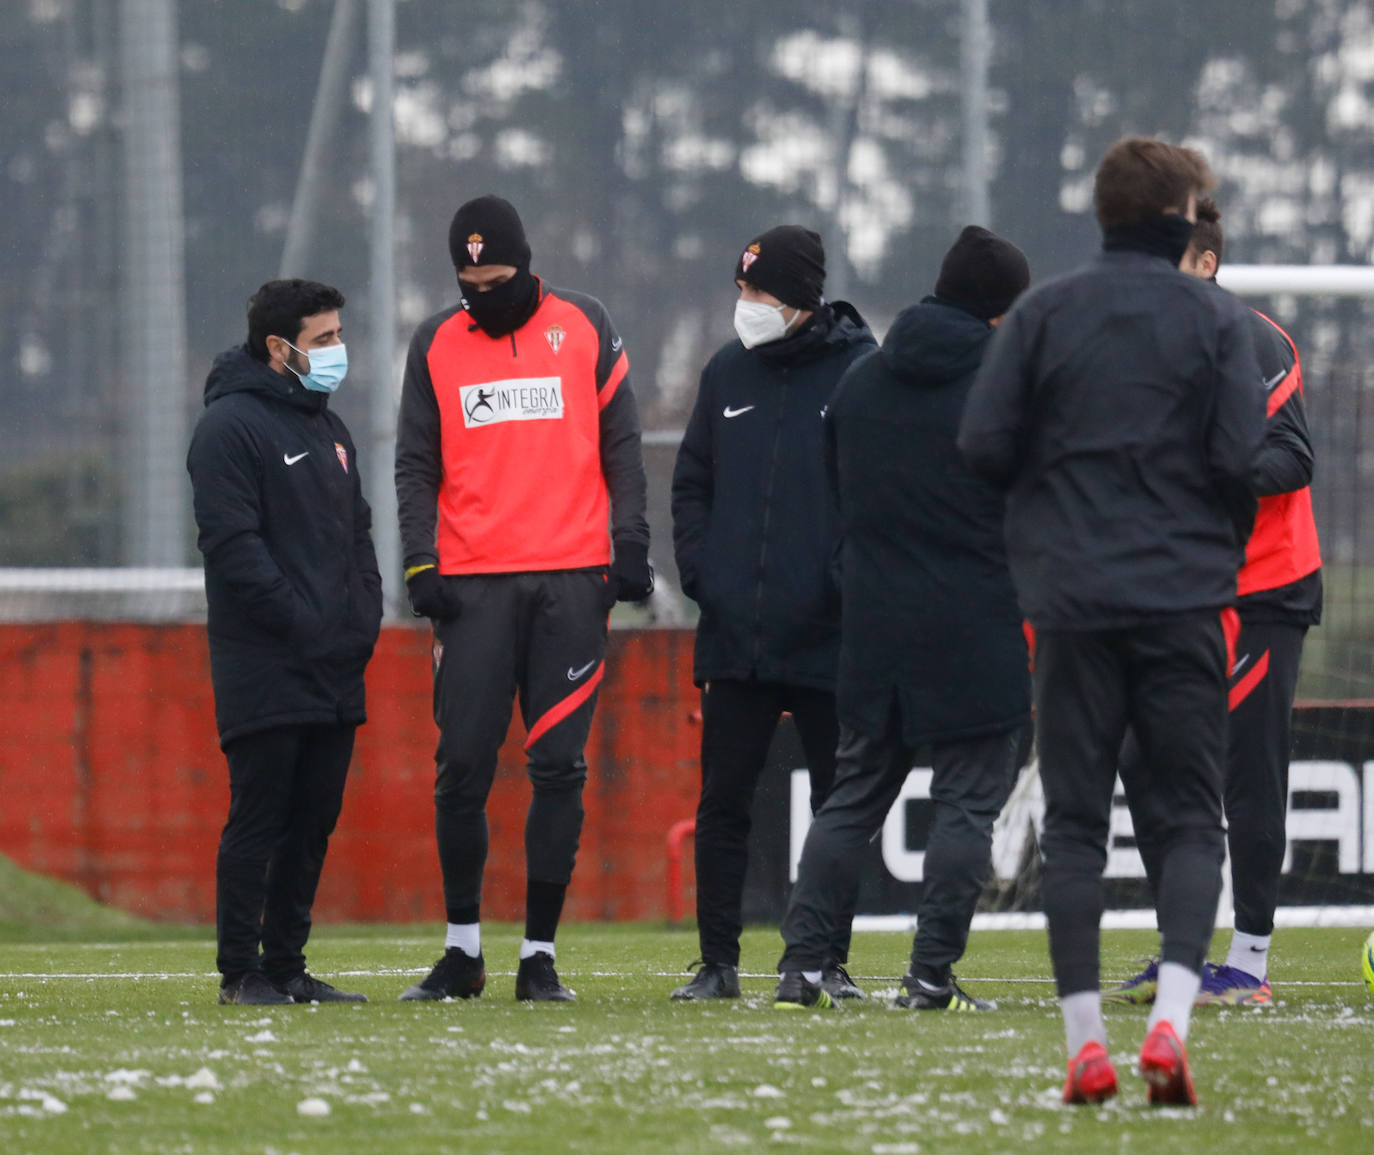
(757, 323)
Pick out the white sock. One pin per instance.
(529, 948)
(1249, 953)
(466, 936)
(1083, 1020)
(1178, 987)
(812, 976)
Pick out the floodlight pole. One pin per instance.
(975, 52)
(152, 299)
(381, 485)
(330, 98)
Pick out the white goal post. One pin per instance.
(1306, 280)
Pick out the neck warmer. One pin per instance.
(1164, 236)
(503, 309)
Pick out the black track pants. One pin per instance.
(971, 783)
(541, 636)
(1168, 682)
(739, 720)
(285, 791)
(1263, 684)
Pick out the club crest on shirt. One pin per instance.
(554, 335)
(342, 454)
(475, 247)
(749, 256)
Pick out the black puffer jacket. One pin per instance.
(930, 616)
(754, 525)
(295, 598)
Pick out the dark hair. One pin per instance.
(1140, 178)
(1207, 235)
(279, 309)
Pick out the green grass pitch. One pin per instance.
(118, 1046)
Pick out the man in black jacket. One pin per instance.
(295, 605)
(755, 535)
(1280, 588)
(932, 656)
(1121, 406)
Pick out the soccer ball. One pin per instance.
(1367, 962)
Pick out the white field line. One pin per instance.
(1142, 919)
(395, 972)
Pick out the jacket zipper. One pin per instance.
(325, 431)
(767, 522)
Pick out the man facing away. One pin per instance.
(755, 536)
(1280, 588)
(295, 605)
(1121, 406)
(517, 444)
(932, 656)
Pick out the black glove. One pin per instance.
(430, 596)
(631, 577)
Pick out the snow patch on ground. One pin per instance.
(204, 1079)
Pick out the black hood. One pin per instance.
(934, 343)
(835, 325)
(238, 371)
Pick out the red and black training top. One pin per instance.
(1281, 577)
(515, 453)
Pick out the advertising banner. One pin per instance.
(1330, 830)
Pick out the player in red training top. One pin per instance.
(517, 445)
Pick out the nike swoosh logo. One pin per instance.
(1240, 661)
(736, 412)
(615, 345)
(1274, 380)
(286, 457)
(573, 675)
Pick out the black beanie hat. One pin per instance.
(982, 274)
(487, 231)
(788, 262)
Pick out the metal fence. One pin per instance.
(162, 159)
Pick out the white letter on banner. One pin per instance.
(1340, 825)
(905, 865)
(800, 817)
(1369, 817)
(1122, 861)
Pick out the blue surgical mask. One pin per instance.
(328, 367)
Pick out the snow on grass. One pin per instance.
(624, 1069)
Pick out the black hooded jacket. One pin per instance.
(929, 612)
(295, 598)
(754, 526)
